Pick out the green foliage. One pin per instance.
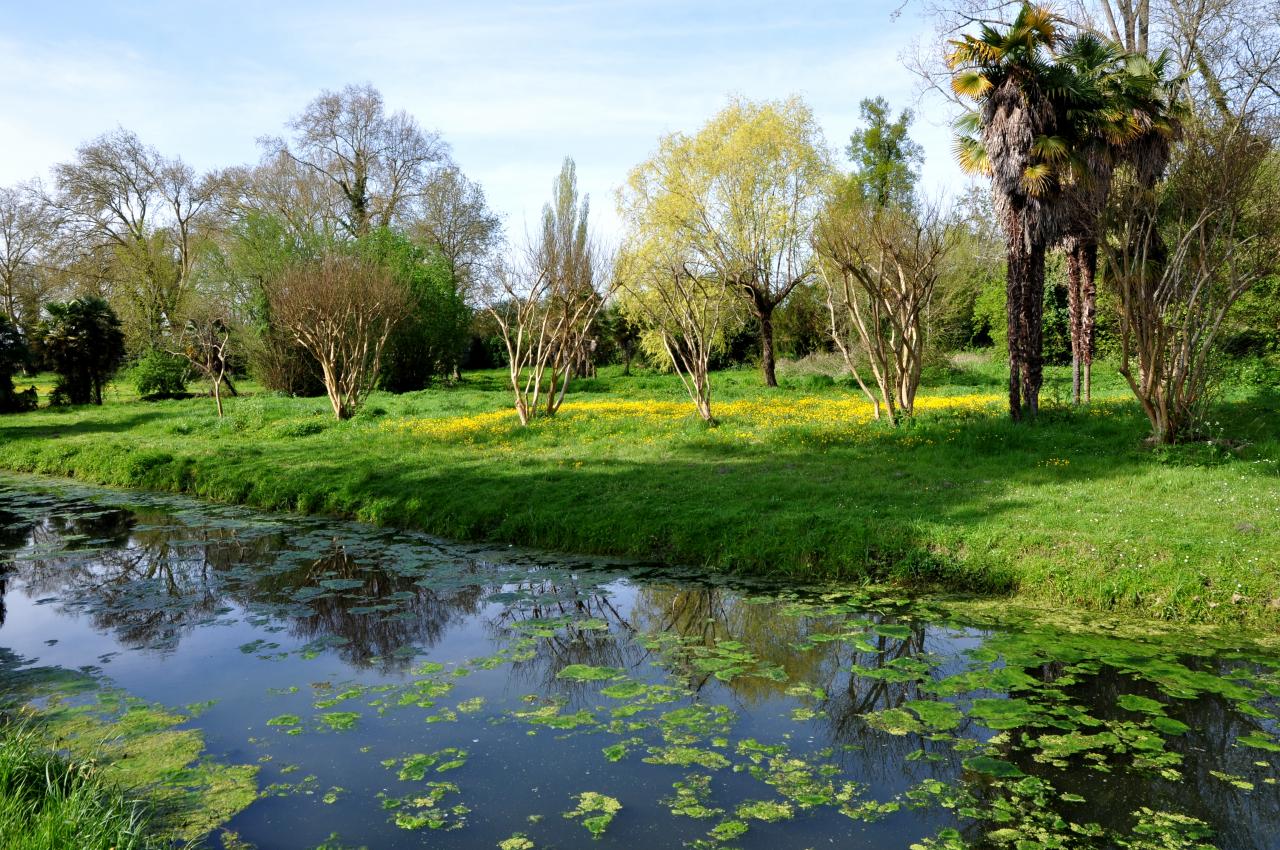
(801, 323)
(933, 505)
(990, 319)
(429, 343)
(886, 159)
(262, 248)
(49, 801)
(160, 374)
(82, 342)
(13, 356)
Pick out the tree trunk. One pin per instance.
(1033, 322)
(1082, 305)
(766, 346)
(1024, 288)
(1015, 272)
(1088, 313)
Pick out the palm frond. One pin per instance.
(970, 83)
(971, 155)
(1050, 149)
(1036, 179)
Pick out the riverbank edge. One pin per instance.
(960, 602)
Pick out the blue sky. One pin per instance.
(513, 87)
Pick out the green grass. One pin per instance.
(51, 802)
(1072, 511)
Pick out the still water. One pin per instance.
(395, 690)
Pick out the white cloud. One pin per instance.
(513, 87)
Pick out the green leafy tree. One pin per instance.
(262, 248)
(82, 342)
(429, 343)
(885, 157)
(159, 374)
(13, 357)
(738, 200)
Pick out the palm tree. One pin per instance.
(1015, 137)
(1122, 113)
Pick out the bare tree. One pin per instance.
(683, 312)
(341, 310)
(1180, 256)
(454, 218)
(879, 268)
(205, 342)
(379, 162)
(546, 300)
(25, 230)
(283, 189)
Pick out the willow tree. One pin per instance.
(743, 193)
(1014, 137)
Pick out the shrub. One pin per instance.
(159, 374)
(13, 355)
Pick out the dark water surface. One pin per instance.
(405, 692)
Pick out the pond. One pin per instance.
(353, 686)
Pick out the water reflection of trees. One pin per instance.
(708, 616)
(420, 616)
(136, 575)
(1240, 819)
(571, 600)
(149, 580)
(14, 533)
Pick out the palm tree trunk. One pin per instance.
(1024, 288)
(1015, 273)
(1088, 312)
(1071, 246)
(1033, 322)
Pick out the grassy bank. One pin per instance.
(49, 801)
(798, 481)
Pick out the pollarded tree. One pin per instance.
(1016, 141)
(545, 300)
(82, 342)
(879, 267)
(341, 309)
(743, 193)
(1180, 254)
(682, 308)
(205, 341)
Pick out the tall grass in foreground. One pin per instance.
(50, 802)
